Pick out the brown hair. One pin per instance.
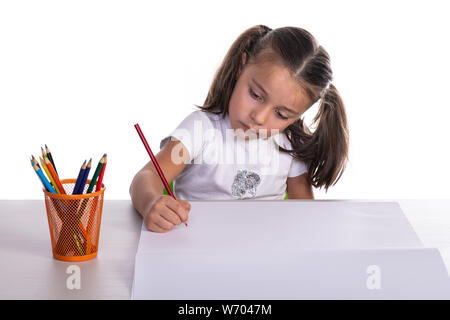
(325, 151)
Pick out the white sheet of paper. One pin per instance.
(288, 250)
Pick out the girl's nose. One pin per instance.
(259, 115)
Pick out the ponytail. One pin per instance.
(325, 151)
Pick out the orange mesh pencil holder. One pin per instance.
(74, 222)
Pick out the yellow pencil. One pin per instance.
(49, 175)
(55, 176)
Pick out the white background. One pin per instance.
(77, 75)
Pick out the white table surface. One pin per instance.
(28, 270)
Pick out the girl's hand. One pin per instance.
(165, 212)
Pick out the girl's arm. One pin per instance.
(299, 188)
(147, 185)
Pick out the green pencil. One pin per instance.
(89, 190)
(96, 174)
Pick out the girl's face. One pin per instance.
(265, 97)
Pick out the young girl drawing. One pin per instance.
(266, 82)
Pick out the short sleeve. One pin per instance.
(297, 168)
(190, 133)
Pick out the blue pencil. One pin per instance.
(79, 178)
(86, 174)
(41, 176)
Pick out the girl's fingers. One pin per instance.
(171, 216)
(163, 223)
(155, 228)
(186, 204)
(179, 211)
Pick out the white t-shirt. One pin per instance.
(222, 165)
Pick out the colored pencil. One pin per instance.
(55, 176)
(155, 163)
(78, 244)
(96, 174)
(89, 190)
(100, 178)
(58, 205)
(85, 176)
(50, 157)
(91, 186)
(43, 179)
(33, 160)
(49, 175)
(80, 176)
(71, 228)
(43, 153)
(80, 233)
(98, 186)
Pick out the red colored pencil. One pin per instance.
(100, 177)
(155, 163)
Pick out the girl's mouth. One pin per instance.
(249, 132)
(246, 127)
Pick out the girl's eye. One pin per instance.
(280, 115)
(254, 95)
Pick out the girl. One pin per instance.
(267, 80)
